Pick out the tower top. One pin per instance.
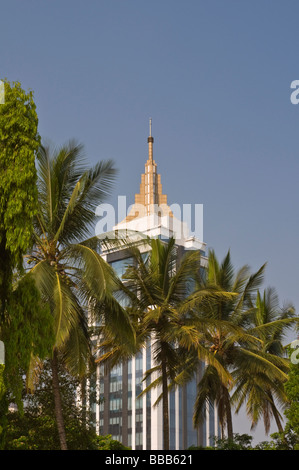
(150, 214)
(150, 194)
(150, 138)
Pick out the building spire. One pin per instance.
(150, 141)
(150, 194)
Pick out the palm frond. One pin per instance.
(66, 311)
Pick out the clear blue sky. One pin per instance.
(215, 78)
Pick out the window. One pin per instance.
(120, 266)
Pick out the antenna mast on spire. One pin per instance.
(150, 142)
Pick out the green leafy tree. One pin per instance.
(27, 333)
(238, 442)
(19, 141)
(292, 411)
(23, 320)
(107, 443)
(65, 261)
(36, 428)
(286, 440)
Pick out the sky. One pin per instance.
(215, 77)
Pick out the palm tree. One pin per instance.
(229, 339)
(65, 262)
(256, 386)
(248, 345)
(163, 305)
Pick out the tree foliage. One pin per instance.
(65, 261)
(27, 333)
(248, 343)
(36, 428)
(24, 323)
(19, 141)
(292, 412)
(163, 302)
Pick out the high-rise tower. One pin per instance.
(132, 420)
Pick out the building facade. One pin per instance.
(119, 410)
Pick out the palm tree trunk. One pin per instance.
(222, 431)
(83, 398)
(58, 403)
(165, 405)
(229, 419)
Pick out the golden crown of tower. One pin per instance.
(150, 198)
